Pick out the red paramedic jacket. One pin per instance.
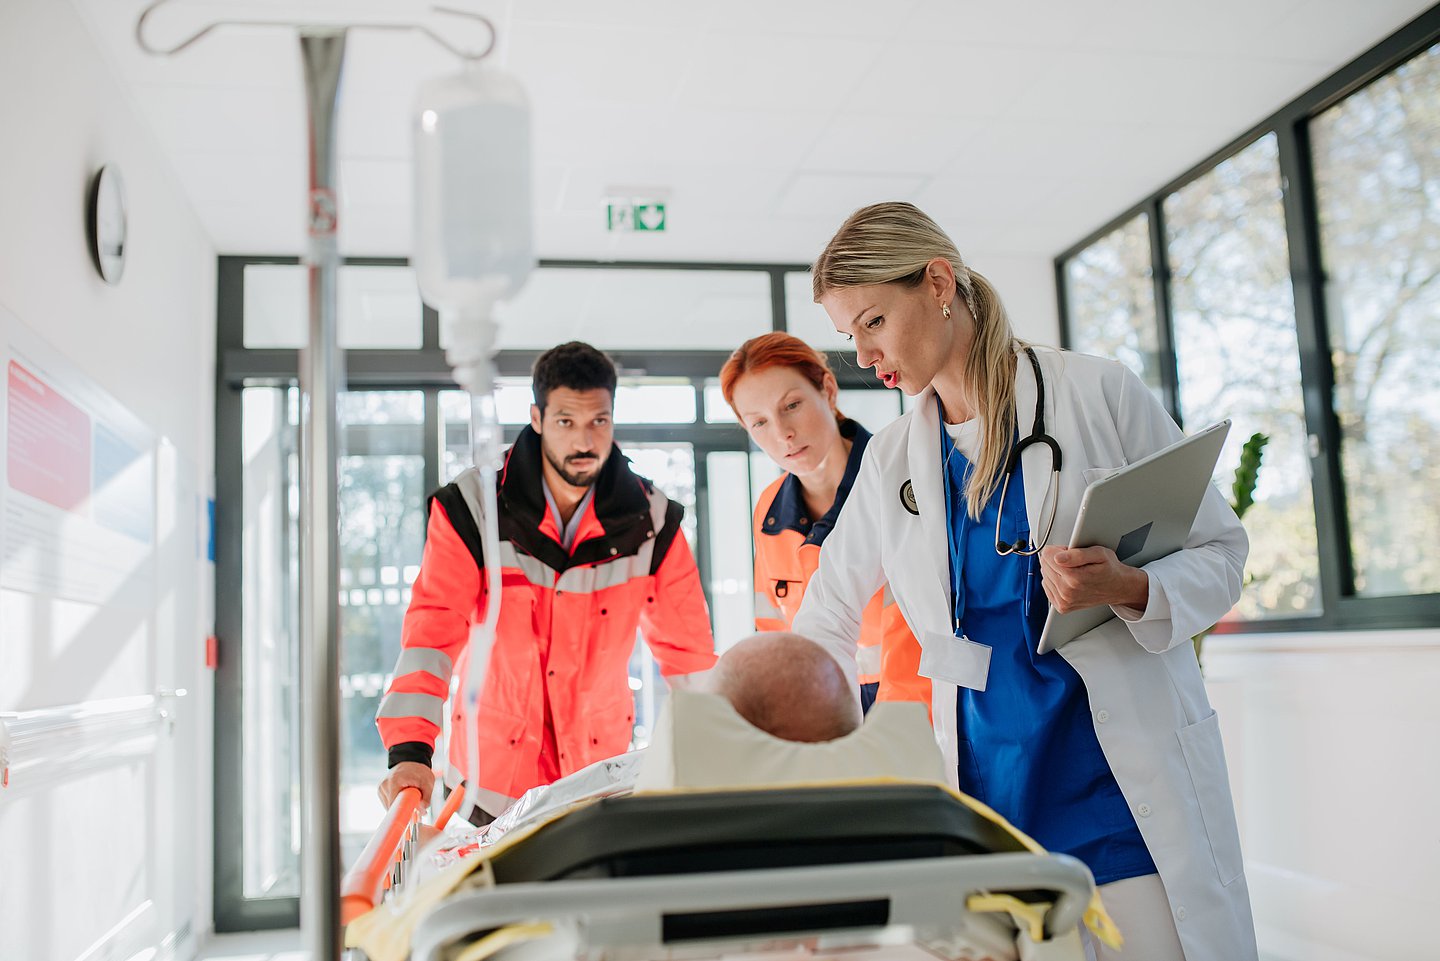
(556, 695)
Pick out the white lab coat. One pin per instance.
(1152, 717)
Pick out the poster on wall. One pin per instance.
(77, 481)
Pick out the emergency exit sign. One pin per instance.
(639, 216)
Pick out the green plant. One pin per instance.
(1242, 498)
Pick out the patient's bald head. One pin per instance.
(788, 687)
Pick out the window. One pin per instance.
(1237, 356)
(1302, 283)
(377, 306)
(1111, 292)
(1377, 178)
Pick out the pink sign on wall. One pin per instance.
(48, 442)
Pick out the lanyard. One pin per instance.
(955, 539)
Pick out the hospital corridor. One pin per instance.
(652, 480)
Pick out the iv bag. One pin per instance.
(473, 224)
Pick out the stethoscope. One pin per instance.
(1052, 491)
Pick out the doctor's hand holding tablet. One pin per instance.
(1137, 514)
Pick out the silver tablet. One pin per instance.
(1142, 511)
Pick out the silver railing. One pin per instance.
(40, 747)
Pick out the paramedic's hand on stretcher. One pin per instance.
(407, 774)
(1078, 577)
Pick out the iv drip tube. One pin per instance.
(472, 249)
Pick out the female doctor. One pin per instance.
(1108, 749)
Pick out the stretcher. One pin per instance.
(852, 870)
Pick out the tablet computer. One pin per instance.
(1142, 511)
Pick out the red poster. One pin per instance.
(47, 442)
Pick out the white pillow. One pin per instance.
(701, 743)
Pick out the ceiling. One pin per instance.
(762, 123)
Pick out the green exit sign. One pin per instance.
(639, 216)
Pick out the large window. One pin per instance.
(1298, 292)
(1377, 177)
(1238, 357)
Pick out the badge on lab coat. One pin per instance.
(955, 660)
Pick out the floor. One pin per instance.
(281, 945)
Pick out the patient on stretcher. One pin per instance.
(776, 709)
(775, 713)
(786, 686)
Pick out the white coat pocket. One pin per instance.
(1093, 474)
(1205, 757)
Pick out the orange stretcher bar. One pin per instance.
(452, 804)
(361, 886)
(363, 883)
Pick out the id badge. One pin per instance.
(955, 660)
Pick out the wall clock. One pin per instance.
(106, 223)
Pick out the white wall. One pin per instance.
(1027, 288)
(87, 852)
(1332, 742)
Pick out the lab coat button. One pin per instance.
(1180, 913)
(1102, 716)
(1143, 810)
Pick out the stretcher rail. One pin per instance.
(364, 884)
(638, 912)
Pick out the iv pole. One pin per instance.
(322, 375)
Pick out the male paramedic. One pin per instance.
(589, 552)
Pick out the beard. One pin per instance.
(572, 476)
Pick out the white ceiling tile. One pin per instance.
(964, 205)
(376, 126)
(565, 64)
(246, 229)
(1311, 26)
(821, 195)
(970, 25)
(1121, 87)
(268, 181)
(905, 143)
(376, 230)
(549, 188)
(661, 14)
(773, 71)
(939, 80)
(373, 181)
(865, 19)
(237, 120)
(650, 137)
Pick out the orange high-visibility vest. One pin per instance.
(787, 553)
(558, 682)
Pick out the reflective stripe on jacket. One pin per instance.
(787, 552)
(559, 667)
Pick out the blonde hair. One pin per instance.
(892, 243)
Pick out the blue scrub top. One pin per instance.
(1027, 742)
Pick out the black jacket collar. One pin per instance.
(622, 505)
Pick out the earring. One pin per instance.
(945, 309)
